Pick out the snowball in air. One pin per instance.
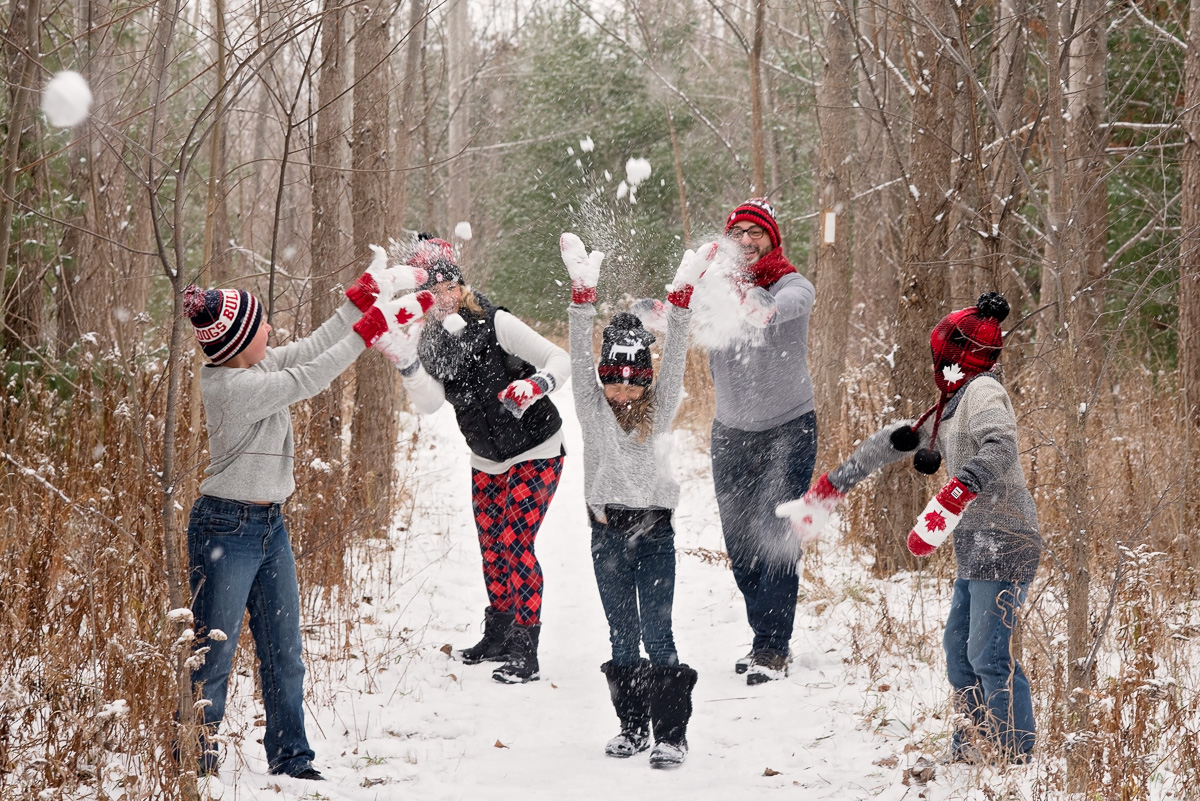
(66, 99)
(636, 171)
(463, 231)
(587, 145)
(454, 324)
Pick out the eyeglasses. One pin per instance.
(754, 232)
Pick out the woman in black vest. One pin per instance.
(496, 372)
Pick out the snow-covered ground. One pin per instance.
(400, 719)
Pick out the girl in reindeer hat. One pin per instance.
(987, 507)
(631, 495)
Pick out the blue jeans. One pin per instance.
(990, 687)
(239, 558)
(753, 472)
(635, 571)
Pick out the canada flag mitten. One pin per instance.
(382, 281)
(940, 518)
(518, 396)
(391, 313)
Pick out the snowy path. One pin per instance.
(405, 721)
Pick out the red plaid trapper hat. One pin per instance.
(967, 342)
(758, 211)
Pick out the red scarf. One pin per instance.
(770, 268)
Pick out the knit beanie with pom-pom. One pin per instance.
(225, 320)
(625, 353)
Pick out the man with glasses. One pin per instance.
(764, 437)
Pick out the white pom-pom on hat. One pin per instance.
(67, 99)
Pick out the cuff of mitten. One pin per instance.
(409, 370)
(681, 297)
(824, 489)
(583, 294)
(361, 298)
(545, 381)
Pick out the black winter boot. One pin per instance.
(629, 687)
(522, 664)
(491, 647)
(670, 710)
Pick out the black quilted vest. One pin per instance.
(473, 369)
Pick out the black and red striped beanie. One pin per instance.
(625, 353)
(758, 211)
(225, 320)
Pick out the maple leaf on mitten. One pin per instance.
(939, 518)
(382, 315)
(518, 396)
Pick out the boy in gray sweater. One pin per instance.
(631, 495)
(239, 556)
(987, 507)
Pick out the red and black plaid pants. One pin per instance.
(509, 508)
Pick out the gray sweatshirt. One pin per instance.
(250, 446)
(618, 469)
(998, 538)
(759, 387)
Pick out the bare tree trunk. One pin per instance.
(458, 55)
(1189, 274)
(879, 187)
(173, 551)
(901, 492)
(22, 312)
(216, 218)
(328, 241)
(410, 113)
(377, 386)
(835, 123)
(1072, 233)
(758, 150)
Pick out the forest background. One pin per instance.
(918, 152)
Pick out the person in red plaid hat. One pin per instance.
(497, 373)
(764, 434)
(989, 510)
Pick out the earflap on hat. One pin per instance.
(625, 352)
(224, 320)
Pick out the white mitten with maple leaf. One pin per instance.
(940, 518)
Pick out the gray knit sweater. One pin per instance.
(759, 387)
(250, 445)
(998, 537)
(618, 469)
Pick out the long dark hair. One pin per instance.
(637, 415)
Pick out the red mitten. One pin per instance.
(518, 396)
(809, 515)
(940, 518)
(393, 313)
(691, 269)
(382, 281)
(365, 291)
(583, 267)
